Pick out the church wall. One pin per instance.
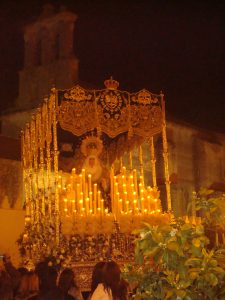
(11, 204)
(11, 226)
(196, 159)
(11, 195)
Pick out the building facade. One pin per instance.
(196, 156)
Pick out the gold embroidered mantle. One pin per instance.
(110, 111)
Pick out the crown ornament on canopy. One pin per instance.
(111, 84)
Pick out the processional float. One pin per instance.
(84, 155)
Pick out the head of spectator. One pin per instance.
(67, 280)
(67, 284)
(47, 276)
(97, 275)
(112, 281)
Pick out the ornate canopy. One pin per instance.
(111, 111)
(90, 129)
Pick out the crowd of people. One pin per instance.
(45, 283)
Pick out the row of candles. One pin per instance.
(79, 195)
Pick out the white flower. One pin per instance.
(142, 234)
(161, 245)
(173, 232)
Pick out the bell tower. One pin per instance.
(49, 58)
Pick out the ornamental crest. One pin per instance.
(144, 97)
(111, 101)
(77, 117)
(78, 94)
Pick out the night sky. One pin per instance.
(174, 46)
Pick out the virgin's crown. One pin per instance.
(111, 84)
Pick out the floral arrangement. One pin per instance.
(82, 241)
(40, 245)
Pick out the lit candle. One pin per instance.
(78, 192)
(131, 178)
(133, 193)
(116, 187)
(141, 165)
(89, 183)
(120, 181)
(73, 206)
(65, 205)
(102, 207)
(99, 199)
(124, 193)
(81, 206)
(127, 206)
(60, 180)
(68, 188)
(95, 198)
(135, 179)
(82, 196)
(74, 177)
(112, 186)
(117, 203)
(91, 201)
(87, 205)
(83, 183)
(123, 180)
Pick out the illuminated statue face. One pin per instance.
(92, 165)
(91, 161)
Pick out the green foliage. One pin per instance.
(211, 206)
(173, 262)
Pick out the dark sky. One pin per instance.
(174, 46)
